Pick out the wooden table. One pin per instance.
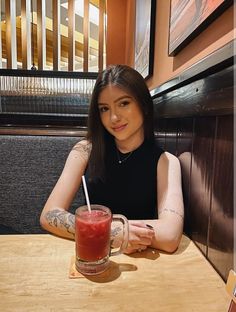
(34, 272)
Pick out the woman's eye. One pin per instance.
(124, 103)
(103, 109)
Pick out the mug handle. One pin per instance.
(125, 238)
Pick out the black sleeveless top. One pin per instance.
(130, 187)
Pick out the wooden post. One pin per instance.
(0, 37)
(10, 7)
(41, 34)
(26, 34)
(56, 35)
(86, 35)
(101, 35)
(71, 35)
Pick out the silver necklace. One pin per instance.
(120, 161)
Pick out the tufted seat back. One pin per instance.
(29, 168)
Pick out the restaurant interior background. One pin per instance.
(116, 17)
(192, 90)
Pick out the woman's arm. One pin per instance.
(169, 226)
(55, 217)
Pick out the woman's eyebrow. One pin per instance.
(117, 100)
(123, 97)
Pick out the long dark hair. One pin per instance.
(133, 83)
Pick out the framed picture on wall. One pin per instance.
(189, 17)
(144, 37)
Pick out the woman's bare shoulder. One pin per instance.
(83, 148)
(168, 157)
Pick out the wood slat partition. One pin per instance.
(86, 35)
(26, 33)
(101, 34)
(71, 35)
(194, 120)
(56, 35)
(11, 49)
(0, 36)
(62, 45)
(41, 34)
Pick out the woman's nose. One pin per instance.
(114, 116)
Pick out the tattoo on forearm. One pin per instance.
(114, 233)
(83, 149)
(64, 219)
(173, 211)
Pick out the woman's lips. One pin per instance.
(119, 128)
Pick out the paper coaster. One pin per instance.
(73, 273)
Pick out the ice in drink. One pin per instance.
(93, 235)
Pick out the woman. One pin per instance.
(125, 169)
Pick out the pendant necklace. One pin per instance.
(120, 161)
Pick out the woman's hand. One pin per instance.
(140, 236)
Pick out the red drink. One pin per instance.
(92, 230)
(92, 238)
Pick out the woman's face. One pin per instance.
(121, 115)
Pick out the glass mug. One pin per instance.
(93, 238)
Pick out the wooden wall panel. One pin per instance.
(184, 153)
(197, 108)
(203, 97)
(160, 131)
(171, 135)
(201, 179)
(221, 232)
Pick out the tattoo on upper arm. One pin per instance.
(58, 218)
(83, 149)
(172, 211)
